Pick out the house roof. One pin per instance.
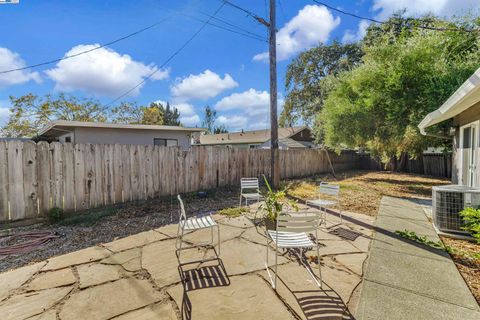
(466, 96)
(63, 125)
(257, 136)
(286, 142)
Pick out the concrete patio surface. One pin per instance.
(407, 280)
(138, 277)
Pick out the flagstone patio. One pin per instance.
(139, 277)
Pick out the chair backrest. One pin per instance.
(183, 216)
(298, 222)
(329, 189)
(249, 183)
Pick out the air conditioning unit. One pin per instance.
(448, 201)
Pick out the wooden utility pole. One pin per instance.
(275, 156)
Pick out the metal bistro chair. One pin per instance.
(292, 232)
(249, 184)
(332, 192)
(192, 224)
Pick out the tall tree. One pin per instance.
(153, 114)
(171, 116)
(127, 113)
(30, 113)
(405, 74)
(310, 77)
(209, 120)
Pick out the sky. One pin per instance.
(222, 69)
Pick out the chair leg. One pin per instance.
(319, 266)
(240, 204)
(218, 239)
(276, 263)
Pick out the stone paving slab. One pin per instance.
(13, 279)
(25, 305)
(137, 277)
(247, 297)
(405, 280)
(109, 300)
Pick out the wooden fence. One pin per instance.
(431, 164)
(36, 177)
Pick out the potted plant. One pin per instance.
(273, 204)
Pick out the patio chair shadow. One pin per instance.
(320, 304)
(196, 275)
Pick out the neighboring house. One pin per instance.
(464, 108)
(113, 133)
(293, 137)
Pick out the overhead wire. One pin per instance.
(398, 24)
(170, 58)
(87, 51)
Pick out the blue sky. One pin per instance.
(218, 68)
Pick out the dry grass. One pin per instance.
(466, 256)
(361, 191)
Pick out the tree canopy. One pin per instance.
(398, 75)
(209, 122)
(30, 113)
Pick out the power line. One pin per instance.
(398, 24)
(239, 31)
(87, 51)
(170, 58)
(247, 12)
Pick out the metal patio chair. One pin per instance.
(249, 190)
(195, 223)
(332, 192)
(292, 231)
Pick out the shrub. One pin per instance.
(55, 214)
(471, 217)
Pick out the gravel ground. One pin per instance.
(81, 231)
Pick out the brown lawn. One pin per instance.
(361, 191)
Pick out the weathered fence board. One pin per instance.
(36, 177)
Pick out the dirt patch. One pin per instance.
(92, 227)
(467, 260)
(361, 191)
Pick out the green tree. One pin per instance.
(127, 113)
(404, 75)
(30, 113)
(209, 120)
(310, 77)
(171, 116)
(153, 114)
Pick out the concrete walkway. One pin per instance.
(139, 277)
(406, 280)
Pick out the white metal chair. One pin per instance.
(249, 190)
(195, 223)
(292, 231)
(333, 193)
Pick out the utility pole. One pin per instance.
(275, 156)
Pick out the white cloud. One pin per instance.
(252, 102)
(247, 110)
(418, 7)
(233, 122)
(11, 60)
(4, 115)
(201, 86)
(311, 26)
(350, 36)
(103, 72)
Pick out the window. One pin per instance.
(252, 146)
(466, 137)
(68, 139)
(165, 142)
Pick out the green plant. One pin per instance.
(411, 235)
(55, 214)
(274, 202)
(471, 217)
(233, 212)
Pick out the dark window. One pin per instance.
(68, 139)
(466, 137)
(165, 142)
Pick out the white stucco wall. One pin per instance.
(128, 136)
